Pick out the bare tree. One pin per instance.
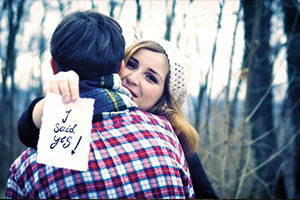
(14, 12)
(292, 31)
(138, 31)
(203, 88)
(258, 118)
(169, 20)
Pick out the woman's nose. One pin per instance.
(133, 79)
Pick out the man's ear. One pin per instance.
(53, 66)
(122, 66)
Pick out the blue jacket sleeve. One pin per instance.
(202, 186)
(28, 132)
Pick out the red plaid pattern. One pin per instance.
(134, 155)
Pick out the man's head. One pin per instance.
(89, 43)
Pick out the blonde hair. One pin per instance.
(166, 106)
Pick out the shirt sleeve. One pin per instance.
(13, 190)
(202, 186)
(28, 132)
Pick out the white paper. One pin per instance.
(65, 133)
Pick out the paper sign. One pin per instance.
(65, 133)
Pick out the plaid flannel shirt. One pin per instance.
(132, 155)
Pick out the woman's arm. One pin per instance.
(28, 132)
(201, 184)
(63, 83)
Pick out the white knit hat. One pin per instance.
(179, 71)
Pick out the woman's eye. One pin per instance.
(151, 78)
(131, 65)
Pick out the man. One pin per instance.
(133, 154)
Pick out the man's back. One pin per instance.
(133, 155)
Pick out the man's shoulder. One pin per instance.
(136, 116)
(26, 158)
(142, 124)
(149, 117)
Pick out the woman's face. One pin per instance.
(144, 76)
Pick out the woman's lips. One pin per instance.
(132, 93)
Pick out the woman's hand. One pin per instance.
(65, 84)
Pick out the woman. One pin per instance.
(156, 76)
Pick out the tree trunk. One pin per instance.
(292, 30)
(259, 110)
(169, 20)
(14, 12)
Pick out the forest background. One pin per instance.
(245, 64)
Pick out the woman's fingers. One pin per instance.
(73, 81)
(65, 84)
(51, 86)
